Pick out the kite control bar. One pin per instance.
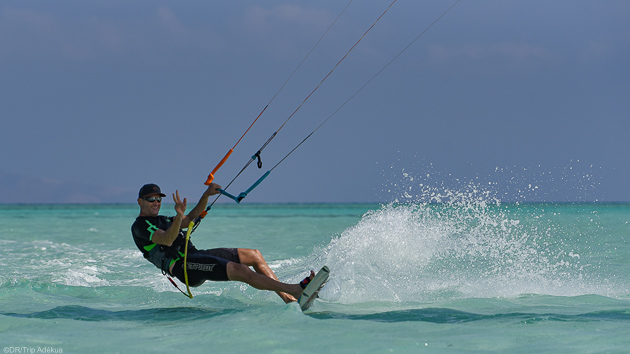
(244, 194)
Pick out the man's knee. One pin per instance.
(250, 256)
(257, 255)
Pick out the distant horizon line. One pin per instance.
(314, 203)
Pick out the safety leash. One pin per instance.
(188, 293)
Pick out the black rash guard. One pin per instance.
(161, 256)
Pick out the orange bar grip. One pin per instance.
(211, 175)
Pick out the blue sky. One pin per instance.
(526, 100)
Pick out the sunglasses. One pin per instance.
(153, 199)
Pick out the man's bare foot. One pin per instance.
(302, 285)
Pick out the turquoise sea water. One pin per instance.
(468, 276)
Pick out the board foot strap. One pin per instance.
(312, 289)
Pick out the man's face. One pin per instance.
(150, 205)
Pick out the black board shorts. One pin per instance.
(205, 265)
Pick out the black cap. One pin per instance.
(149, 189)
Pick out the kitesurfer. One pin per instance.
(161, 241)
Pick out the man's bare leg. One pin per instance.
(253, 258)
(241, 272)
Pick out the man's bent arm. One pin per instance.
(167, 237)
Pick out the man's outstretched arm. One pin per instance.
(213, 189)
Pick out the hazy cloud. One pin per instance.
(496, 57)
(31, 35)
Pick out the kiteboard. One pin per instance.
(312, 289)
